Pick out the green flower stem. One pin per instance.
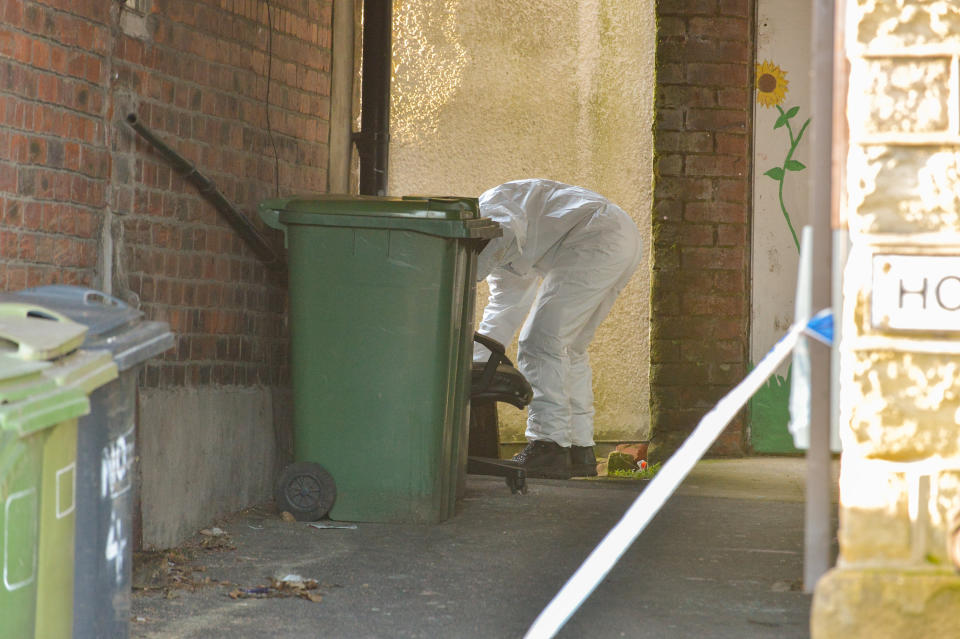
(786, 216)
(794, 142)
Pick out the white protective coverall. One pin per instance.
(584, 248)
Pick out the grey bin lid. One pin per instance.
(99, 312)
(112, 324)
(134, 344)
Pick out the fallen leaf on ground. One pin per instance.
(279, 589)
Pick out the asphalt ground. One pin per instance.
(724, 558)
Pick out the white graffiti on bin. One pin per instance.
(116, 467)
(116, 545)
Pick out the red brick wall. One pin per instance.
(76, 182)
(53, 164)
(700, 308)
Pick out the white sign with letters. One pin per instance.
(916, 292)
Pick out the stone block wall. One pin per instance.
(899, 389)
(701, 232)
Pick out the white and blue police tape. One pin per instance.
(819, 327)
(648, 503)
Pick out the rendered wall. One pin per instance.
(489, 92)
(899, 388)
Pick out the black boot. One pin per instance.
(583, 463)
(544, 458)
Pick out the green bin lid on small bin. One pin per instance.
(20, 378)
(44, 410)
(453, 217)
(44, 379)
(30, 401)
(35, 333)
(83, 369)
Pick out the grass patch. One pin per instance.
(646, 473)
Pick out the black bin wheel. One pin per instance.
(306, 490)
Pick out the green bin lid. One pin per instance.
(13, 369)
(450, 217)
(418, 207)
(85, 370)
(37, 394)
(43, 410)
(19, 378)
(35, 333)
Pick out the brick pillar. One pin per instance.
(700, 299)
(900, 380)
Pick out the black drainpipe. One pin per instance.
(373, 139)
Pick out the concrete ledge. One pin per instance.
(203, 453)
(765, 478)
(885, 603)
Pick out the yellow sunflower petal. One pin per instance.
(771, 83)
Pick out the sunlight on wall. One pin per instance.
(488, 92)
(425, 38)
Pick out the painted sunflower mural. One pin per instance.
(769, 407)
(772, 86)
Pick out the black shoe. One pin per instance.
(583, 463)
(544, 458)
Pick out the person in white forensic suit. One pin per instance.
(566, 253)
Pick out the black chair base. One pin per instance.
(515, 476)
(495, 380)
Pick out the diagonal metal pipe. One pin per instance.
(208, 189)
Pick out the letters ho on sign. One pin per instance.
(916, 292)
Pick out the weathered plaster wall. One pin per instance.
(488, 92)
(899, 390)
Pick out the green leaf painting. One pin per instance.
(771, 92)
(770, 416)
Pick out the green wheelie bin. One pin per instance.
(44, 387)
(31, 430)
(106, 449)
(85, 371)
(381, 299)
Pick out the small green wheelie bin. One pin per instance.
(84, 371)
(381, 299)
(26, 427)
(44, 387)
(105, 449)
